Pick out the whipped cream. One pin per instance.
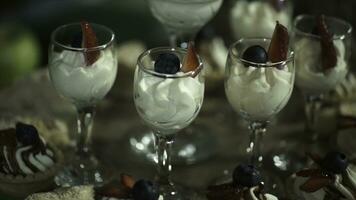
(168, 104)
(184, 16)
(347, 190)
(83, 84)
(257, 19)
(252, 195)
(258, 93)
(309, 77)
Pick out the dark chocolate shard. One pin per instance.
(328, 50)
(114, 189)
(89, 42)
(278, 48)
(190, 61)
(315, 158)
(308, 172)
(316, 183)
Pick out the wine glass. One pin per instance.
(311, 76)
(257, 92)
(183, 18)
(83, 75)
(167, 103)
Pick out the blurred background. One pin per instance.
(26, 25)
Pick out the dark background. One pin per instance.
(130, 19)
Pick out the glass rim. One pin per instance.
(335, 37)
(163, 75)
(96, 48)
(265, 65)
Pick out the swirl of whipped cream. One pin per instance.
(81, 83)
(258, 93)
(168, 103)
(27, 160)
(309, 77)
(255, 195)
(345, 184)
(257, 19)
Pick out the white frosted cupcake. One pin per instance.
(28, 163)
(332, 177)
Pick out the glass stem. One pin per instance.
(84, 125)
(163, 145)
(312, 106)
(257, 130)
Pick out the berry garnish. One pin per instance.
(335, 162)
(167, 63)
(328, 51)
(278, 48)
(89, 41)
(246, 176)
(27, 134)
(145, 190)
(256, 54)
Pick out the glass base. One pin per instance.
(177, 192)
(193, 144)
(81, 172)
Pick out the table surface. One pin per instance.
(117, 119)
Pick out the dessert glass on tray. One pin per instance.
(168, 95)
(322, 51)
(183, 18)
(82, 68)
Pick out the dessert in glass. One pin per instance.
(332, 176)
(259, 80)
(82, 67)
(168, 95)
(183, 18)
(257, 18)
(322, 51)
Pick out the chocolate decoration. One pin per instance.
(278, 48)
(89, 41)
(328, 51)
(114, 189)
(316, 183)
(308, 172)
(127, 181)
(190, 62)
(315, 158)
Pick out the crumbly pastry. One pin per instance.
(73, 193)
(27, 162)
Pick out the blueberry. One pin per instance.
(335, 162)
(145, 190)
(246, 176)
(26, 134)
(256, 54)
(167, 63)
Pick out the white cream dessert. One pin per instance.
(332, 178)
(169, 103)
(184, 16)
(81, 83)
(24, 152)
(309, 77)
(257, 18)
(259, 93)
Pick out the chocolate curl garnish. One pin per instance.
(314, 184)
(278, 48)
(308, 172)
(328, 51)
(89, 41)
(190, 62)
(127, 181)
(346, 122)
(315, 158)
